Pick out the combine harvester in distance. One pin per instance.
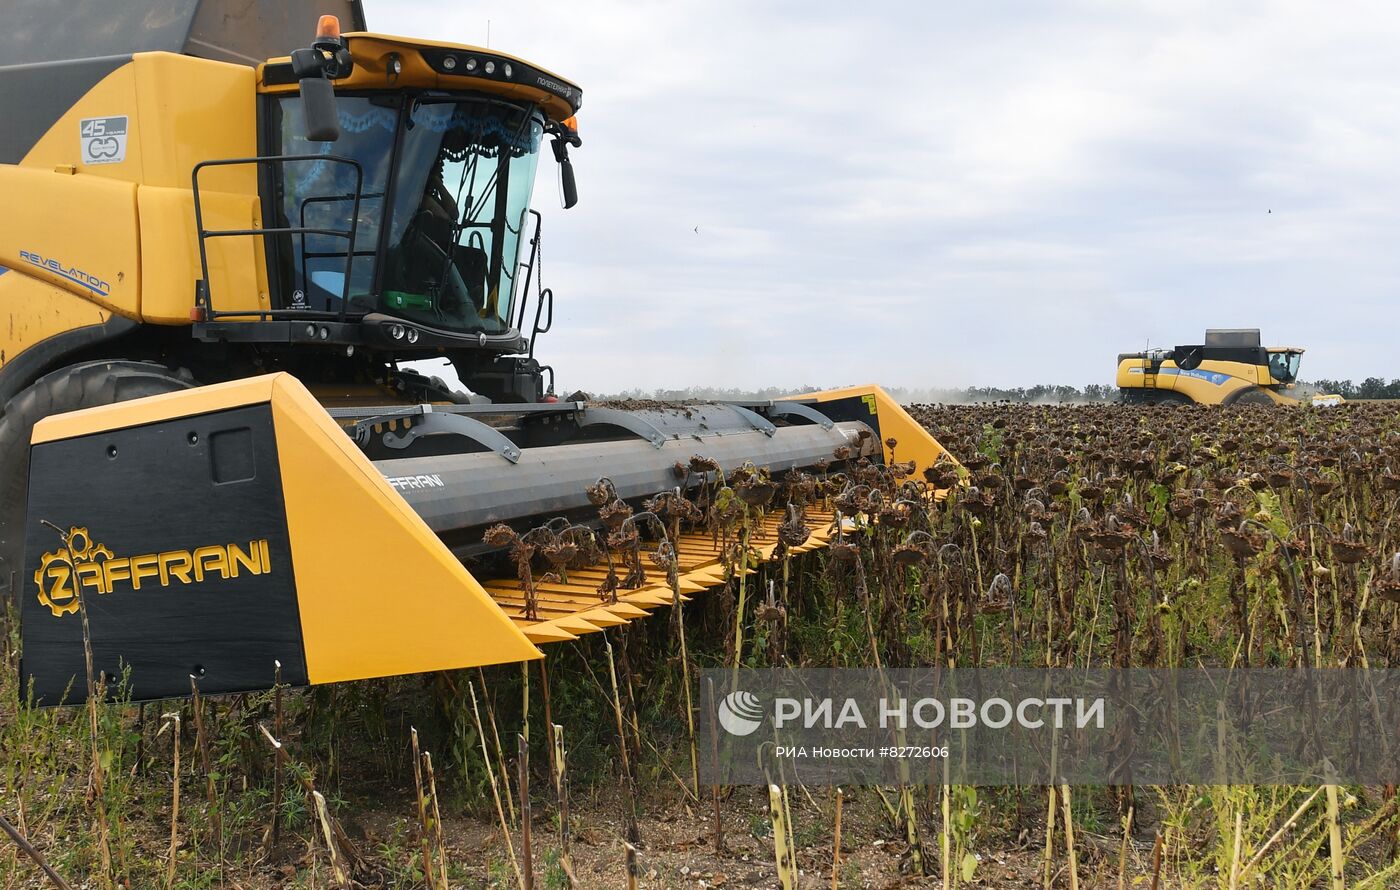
(1230, 368)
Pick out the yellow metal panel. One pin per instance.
(540, 634)
(913, 442)
(170, 253)
(1187, 383)
(1136, 372)
(218, 397)
(75, 231)
(193, 110)
(601, 617)
(113, 96)
(1205, 392)
(1241, 375)
(574, 625)
(1126, 378)
(653, 597)
(180, 110)
(574, 594)
(1243, 370)
(37, 311)
(378, 593)
(708, 576)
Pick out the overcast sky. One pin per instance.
(948, 194)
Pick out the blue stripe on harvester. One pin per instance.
(1209, 376)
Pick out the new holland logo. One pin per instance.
(83, 566)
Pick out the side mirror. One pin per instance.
(567, 186)
(318, 109)
(316, 69)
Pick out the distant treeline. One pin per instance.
(1370, 388)
(1044, 393)
(1094, 392)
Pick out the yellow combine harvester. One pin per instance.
(1230, 368)
(217, 253)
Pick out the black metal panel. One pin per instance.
(34, 97)
(1248, 355)
(149, 498)
(253, 32)
(245, 31)
(520, 72)
(53, 51)
(432, 423)
(1233, 337)
(857, 408)
(788, 410)
(46, 31)
(303, 330)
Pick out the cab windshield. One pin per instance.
(1283, 366)
(449, 210)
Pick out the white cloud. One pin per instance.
(942, 194)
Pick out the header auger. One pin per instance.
(228, 230)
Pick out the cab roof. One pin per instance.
(386, 62)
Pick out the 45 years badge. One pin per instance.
(103, 139)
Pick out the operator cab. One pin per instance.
(395, 181)
(443, 207)
(1283, 364)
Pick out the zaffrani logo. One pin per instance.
(740, 713)
(82, 565)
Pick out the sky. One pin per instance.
(938, 194)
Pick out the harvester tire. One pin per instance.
(1150, 397)
(86, 385)
(1168, 399)
(1251, 397)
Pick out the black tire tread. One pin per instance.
(1250, 396)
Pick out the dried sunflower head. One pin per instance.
(600, 492)
(756, 491)
(1241, 541)
(1349, 552)
(501, 535)
(843, 551)
(910, 555)
(614, 514)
